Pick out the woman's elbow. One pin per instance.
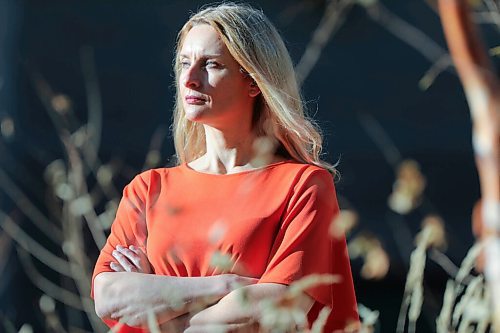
(101, 287)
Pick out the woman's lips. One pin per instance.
(195, 100)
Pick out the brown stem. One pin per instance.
(483, 95)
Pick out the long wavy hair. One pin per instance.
(279, 114)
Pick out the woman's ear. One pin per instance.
(254, 89)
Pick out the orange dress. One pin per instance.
(272, 222)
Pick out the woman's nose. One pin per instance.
(191, 77)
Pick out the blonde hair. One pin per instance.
(257, 46)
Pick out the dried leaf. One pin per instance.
(7, 127)
(47, 304)
(376, 264)
(222, 261)
(217, 232)
(61, 103)
(345, 221)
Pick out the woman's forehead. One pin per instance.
(203, 39)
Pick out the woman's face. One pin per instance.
(213, 90)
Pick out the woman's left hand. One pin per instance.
(131, 259)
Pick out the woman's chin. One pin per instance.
(194, 115)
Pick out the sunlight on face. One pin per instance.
(212, 88)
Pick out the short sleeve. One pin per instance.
(129, 226)
(303, 246)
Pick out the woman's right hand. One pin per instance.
(234, 281)
(131, 259)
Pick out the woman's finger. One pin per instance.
(116, 267)
(143, 262)
(123, 261)
(132, 257)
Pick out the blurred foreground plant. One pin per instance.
(482, 90)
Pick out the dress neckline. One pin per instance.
(269, 166)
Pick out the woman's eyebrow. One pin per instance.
(203, 56)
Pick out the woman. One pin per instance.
(248, 209)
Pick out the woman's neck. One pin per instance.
(227, 151)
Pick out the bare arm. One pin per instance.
(128, 294)
(232, 315)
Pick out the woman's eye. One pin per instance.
(184, 64)
(211, 64)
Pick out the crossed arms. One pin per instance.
(180, 304)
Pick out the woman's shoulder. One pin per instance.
(153, 175)
(301, 170)
(302, 176)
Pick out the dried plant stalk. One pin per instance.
(444, 318)
(431, 235)
(320, 322)
(483, 95)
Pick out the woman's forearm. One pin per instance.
(234, 310)
(129, 296)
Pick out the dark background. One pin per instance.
(364, 72)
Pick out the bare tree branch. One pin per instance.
(414, 38)
(62, 295)
(331, 21)
(406, 32)
(94, 106)
(49, 228)
(29, 244)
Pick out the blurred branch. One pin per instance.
(81, 144)
(76, 175)
(375, 131)
(61, 114)
(442, 260)
(5, 248)
(7, 324)
(80, 272)
(94, 106)
(457, 304)
(482, 90)
(431, 235)
(492, 15)
(432, 73)
(492, 5)
(297, 9)
(414, 38)
(77, 179)
(49, 228)
(153, 157)
(487, 17)
(400, 231)
(406, 32)
(48, 287)
(33, 247)
(73, 230)
(334, 16)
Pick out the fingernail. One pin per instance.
(131, 247)
(119, 247)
